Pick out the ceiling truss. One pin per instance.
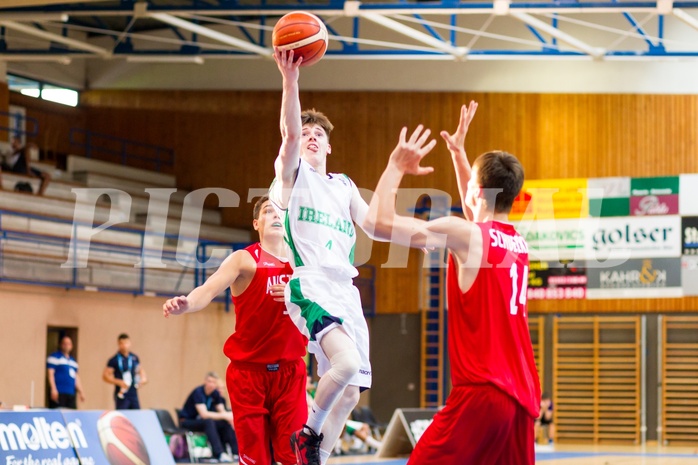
(177, 31)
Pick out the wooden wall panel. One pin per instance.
(672, 305)
(229, 139)
(55, 121)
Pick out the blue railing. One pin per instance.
(123, 151)
(45, 260)
(14, 130)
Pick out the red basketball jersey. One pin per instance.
(488, 338)
(264, 333)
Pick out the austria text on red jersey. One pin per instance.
(264, 333)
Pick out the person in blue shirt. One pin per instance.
(204, 410)
(63, 378)
(125, 372)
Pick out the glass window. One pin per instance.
(24, 86)
(38, 89)
(59, 95)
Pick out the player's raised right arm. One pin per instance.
(448, 232)
(289, 154)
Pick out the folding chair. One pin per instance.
(169, 428)
(197, 442)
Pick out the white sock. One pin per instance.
(324, 456)
(316, 418)
(373, 442)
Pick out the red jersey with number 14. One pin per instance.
(488, 338)
(264, 333)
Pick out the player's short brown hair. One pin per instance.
(502, 173)
(258, 206)
(313, 116)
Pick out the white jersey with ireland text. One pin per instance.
(318, 225)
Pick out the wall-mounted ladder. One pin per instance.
(433, 309)
(679, 374)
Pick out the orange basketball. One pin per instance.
(302, 32)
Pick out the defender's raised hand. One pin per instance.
(408, 153)
(456, 141)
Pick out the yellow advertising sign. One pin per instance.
(544, 199)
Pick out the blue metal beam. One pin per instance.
(127, 5)
(660, 31)
(638, 28)
(176, 32)
(537, 34)
(333, 32)
(430, 29)
(257, 15)
(245, 32)
(388, 54)
(100, 22)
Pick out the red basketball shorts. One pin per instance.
(480, 425)
(268, 403)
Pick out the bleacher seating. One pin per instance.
(38, 230)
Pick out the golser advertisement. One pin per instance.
(67, 437)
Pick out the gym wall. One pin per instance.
(230, 139)
(176, 352)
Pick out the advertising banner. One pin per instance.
(113, 437)
(689, 235)
(654, 196)
(552, 240)
(82, 437)
(543, 199)
(688, 194)
(609, 196)
(636, 278)
(689, 275)
(633, 237)
(556, 280)
(39, 437)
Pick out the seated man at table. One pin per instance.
(205, 411)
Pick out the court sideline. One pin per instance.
(576, 455)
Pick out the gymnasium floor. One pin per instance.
(578, 455)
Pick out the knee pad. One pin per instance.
(345, 365)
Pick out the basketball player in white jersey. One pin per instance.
(319, 210)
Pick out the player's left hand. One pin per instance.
(456, 141)
(175, 306)
(277, 292)
(408, 153)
